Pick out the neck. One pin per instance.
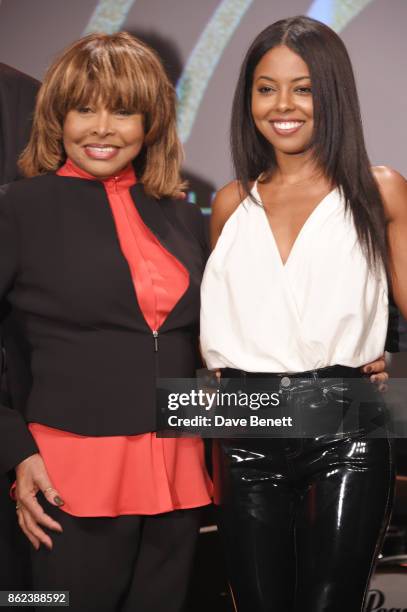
(296, 168)
(125, 178)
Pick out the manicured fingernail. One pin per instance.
(58, 500)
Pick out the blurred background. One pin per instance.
(202, 43)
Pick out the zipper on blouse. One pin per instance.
(155, 336)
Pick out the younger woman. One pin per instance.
(296, 291)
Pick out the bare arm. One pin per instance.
(393, 188)
(225, 203)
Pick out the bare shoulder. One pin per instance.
(227, 200)
(393, 189)
(388, 178)
(224, 204)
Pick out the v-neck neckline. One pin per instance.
(318, 207)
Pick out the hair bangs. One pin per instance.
(117, 83)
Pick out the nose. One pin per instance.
(102, 124)
(284, 100)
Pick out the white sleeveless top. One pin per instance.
(323, 307)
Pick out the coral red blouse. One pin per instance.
(143, 474)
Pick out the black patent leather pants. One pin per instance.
(302, 520)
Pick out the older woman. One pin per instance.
(101, 266)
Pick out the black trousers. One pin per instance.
(14, 546)
(302, 520)
(124, 564)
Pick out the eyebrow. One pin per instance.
(267, 78)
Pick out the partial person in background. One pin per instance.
(296, 291)
(102, 271)
(17, 99)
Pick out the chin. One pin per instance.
(299, 151)
(100, 168)
(291, 148)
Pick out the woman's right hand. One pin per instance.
(32, 477)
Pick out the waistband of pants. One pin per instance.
(336, 371)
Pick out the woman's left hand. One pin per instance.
(377, 371)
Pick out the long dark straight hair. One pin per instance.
(337, 143)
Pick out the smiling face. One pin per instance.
(282, 106)
(102, 142)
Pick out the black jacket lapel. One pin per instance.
(158, 220)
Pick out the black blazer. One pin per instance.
(81, 357)
(17, 98)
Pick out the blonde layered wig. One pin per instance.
(120, 72)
